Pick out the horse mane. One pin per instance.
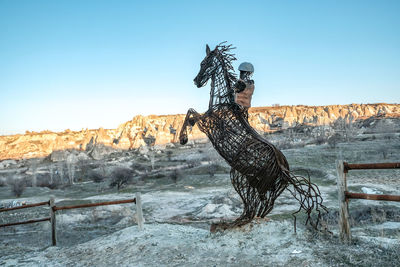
(227, 58)
(226, 72)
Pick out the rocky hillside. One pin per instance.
(161, 130)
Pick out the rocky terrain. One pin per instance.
(163, 130)
(187, 188)
(184, 190)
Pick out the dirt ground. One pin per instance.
(187, 189)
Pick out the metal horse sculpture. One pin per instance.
(260, 172)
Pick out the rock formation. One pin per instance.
(162, 130)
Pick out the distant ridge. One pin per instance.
(164, 129)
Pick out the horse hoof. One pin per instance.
(183, 140)
(213, 228)
(216, 227)
(219, 227)
(192, 122)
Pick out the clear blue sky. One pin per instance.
(90, 64)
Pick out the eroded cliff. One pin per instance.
(161, 130)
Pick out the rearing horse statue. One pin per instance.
(260, 172)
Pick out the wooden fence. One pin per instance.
(54, 209)
(344, 195)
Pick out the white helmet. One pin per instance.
(246, 66)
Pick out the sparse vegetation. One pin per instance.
(17, 186)
(152, 160)
(3, 181)
(121, 177)
(203, 164)
(333, 140)
(284, 144)
(169, 154)
(52, 183)
(345, 127)
(96, 176)
(383, 150)
(212, 169)
(138, 166)
(71, 161)
(175, 174)
(320, 139)
(193, 163)
(60, 170)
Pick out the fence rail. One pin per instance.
(95, 204)
(368, 166)
(27, 206)
(54, 209)
(344, 195)
(372, 196)
(25, 222)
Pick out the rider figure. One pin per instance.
(244, 87)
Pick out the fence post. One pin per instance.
(53, 221)
(344, 225)
(139, 212)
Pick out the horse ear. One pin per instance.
(208, 51)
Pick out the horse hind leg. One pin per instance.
(250, 199)
(269, 189)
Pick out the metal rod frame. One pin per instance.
(259, 170)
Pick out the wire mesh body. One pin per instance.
(260, 172)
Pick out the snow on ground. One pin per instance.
(179, 214)
(262, 243)
(216, 210)
(161, 206)
(368, 190)
(171, 245)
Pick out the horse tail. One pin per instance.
(308, 195)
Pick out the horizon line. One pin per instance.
(177, 114)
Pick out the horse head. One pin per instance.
(207, 68)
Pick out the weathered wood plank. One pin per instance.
(344, 224)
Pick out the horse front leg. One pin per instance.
(191, 118)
